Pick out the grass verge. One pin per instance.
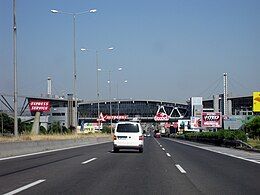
(254, 142)
(26, 137)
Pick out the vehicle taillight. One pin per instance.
(114, 137)
(141, 137)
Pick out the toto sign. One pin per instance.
(39, 106)
(211, 119)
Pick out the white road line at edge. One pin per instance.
(89, 161)
(231, 155)
(43, 152)
(168, 154)
(25, 187)
(163, 149)
(180, 169)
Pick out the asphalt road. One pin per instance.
(165, 167)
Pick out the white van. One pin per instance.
(128, 135)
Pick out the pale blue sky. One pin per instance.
(169, 49)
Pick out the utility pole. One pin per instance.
(225, 93)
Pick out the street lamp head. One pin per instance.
(119, 69)
(83, 49)
(110, 48)
(54, 11)
(125, 81)
(92, 10)
(99, 69)
(108, 81)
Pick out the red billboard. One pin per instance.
(211, 119)
(39, 105)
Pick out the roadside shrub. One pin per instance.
(253, 128)
(106, 129)
(43, 130)
(217, 136)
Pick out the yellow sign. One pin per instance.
(256, 101)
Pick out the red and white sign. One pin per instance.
(39, 106)
(195, 122)
(160, 116)
(211, 119)
(113, 117)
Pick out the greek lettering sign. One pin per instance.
(39, 105)
(211, 119)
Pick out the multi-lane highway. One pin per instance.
(165, 167)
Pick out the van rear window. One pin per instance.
(131, 128)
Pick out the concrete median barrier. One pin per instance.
(26, 147)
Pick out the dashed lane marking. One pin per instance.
(25, 187)
(180, 168)
(88, 161)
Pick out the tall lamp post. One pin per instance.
(97, 70)
(15, 70)
(74, 54)
(117, 96)
(109, 84)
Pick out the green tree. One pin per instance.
(253, 128)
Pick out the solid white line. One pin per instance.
(180, 169)
(223, 153)
(168, 154)
(163, 149)
(43, 152)
(25, 187)
(89, 161)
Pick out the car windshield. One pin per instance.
(131, 128)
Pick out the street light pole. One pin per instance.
(97, 82)
(117, 96)
(75, 121)
(15, 70)
(75, 72)
(97, 69)
(110, 106)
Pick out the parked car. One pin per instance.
(128, 135)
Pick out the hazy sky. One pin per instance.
(169, 49)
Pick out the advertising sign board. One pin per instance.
(234, 122)
(211, 119)
(256, 101)
(195, 122)
(183, 125)
(39, 105)
(160, 116)
(113, 117)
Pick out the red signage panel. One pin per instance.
(211, 119)
(160, 116)
(39, 106)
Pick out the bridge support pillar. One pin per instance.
(36, 124)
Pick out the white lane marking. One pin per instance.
(43, 152)
(163, 149)
(25, 187)
(160, 145)
(180, 168)
(85, 162)
(231, 155)
(168, 154)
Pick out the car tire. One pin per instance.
(116, 150)
(141, 150)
